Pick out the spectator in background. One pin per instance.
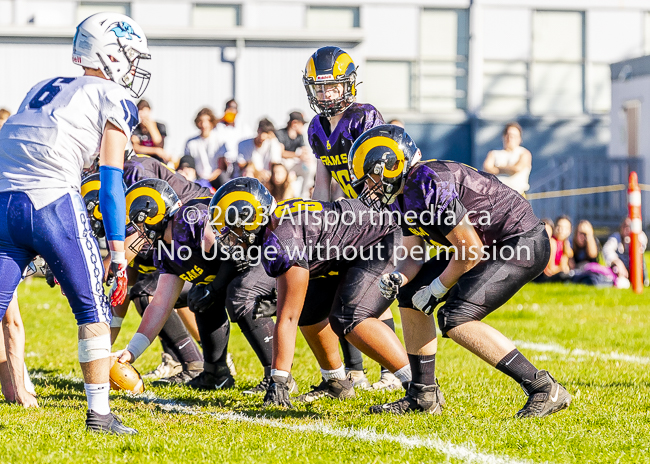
(204, 147)
(186, 168)
(231, 133)
(396, 122)
(586, 247)
(250, 171)
(4, 115)
(262, 151)
(297, 157)
(616, 252)
(279, 183)
(149, 136)
(557, 269)
(511, 165)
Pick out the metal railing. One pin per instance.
(604, 209)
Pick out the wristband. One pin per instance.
(116, 322)
(138, 344)
(118, 256)
(437, 288)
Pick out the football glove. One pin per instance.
(389, 285)
(118, 271)
(265, 306)
(278, 392)
(200, 298)
(49, 277)
(427, 298)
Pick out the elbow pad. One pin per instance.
(112, 203)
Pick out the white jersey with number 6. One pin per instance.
(57, 132)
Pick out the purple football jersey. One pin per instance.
(185, 258)
(438, 194)
(141, 167)
(321, 236)
(332, 147)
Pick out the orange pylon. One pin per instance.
(636, 251)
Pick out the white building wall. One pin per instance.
(188, 71)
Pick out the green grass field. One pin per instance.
(593, 341)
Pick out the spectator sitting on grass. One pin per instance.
(280, 183)
(186, 168)
(616, 252)
(262, 151)
(149, 136)
(586, 247)
(203, 148)
(557, 269)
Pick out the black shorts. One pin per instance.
(244, 289)
(353, 295)
(490, 284)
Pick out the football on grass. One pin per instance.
(124, 376)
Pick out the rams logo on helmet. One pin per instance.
(388, 152)
(150, 204)
(238, 211)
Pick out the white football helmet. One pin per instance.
(115, 44)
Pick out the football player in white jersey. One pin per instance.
(61, 127)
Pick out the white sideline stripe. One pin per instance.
(553, 348)
(462, 452)
(466, 452)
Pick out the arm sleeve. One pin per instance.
(112, 203)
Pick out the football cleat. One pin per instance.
(338, 389)
(266, 382)
(167, 368)
(208, 381)
(359, 379)
(192, 371)
(123, 376)
(419, 397)
(107, 423)
(545, 396)
(387, 381)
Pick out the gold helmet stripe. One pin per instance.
(87, 188)
(341, 65)
(310, 69)
(366, 146)
(221, 208)
(149, 192)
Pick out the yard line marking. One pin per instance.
(554, 348)
(466, 453)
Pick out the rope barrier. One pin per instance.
(580, 191)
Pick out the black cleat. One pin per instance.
(191, 371)
(545, 396)
(208, 381)
(419, 397)
(266, 382)
(108, 423)
(338, 389)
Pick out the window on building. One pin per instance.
(208, 16)
(85, 9)
(332, 18)
(558, 67)
(442, 64)
(387, 84)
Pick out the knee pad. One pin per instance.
(94, 342)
